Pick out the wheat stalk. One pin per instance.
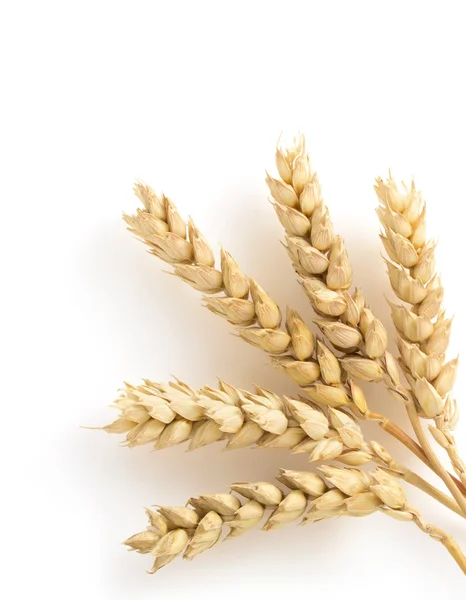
(321, 261)
(174, 530)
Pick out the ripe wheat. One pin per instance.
(322, 421)
(423, 328)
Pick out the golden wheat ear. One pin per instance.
(423, 329)
(197, 527)
(173, 413)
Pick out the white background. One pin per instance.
(191, 97)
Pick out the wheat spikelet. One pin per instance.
(423, 329)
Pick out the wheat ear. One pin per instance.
(321, 261)
(423, 329)
(174, 530)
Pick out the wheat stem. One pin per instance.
(439, 535)
(395, 431)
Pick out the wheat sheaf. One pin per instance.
(324, 419)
